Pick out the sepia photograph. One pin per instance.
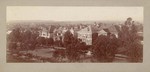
(74, 34)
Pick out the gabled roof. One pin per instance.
(85, 30)
(112, 29)
(118, 28)
(103, 31)
(95, 29)
(106, 30)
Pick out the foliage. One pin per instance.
(25, 38)
(94, 36)
(135, 51)
(41, 41)
(68, 38)
(130, 41)
(104, 48)
(50, 41)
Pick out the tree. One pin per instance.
(68, 38)
(13, 38)
(33, 42)
(133, 33)
(81, 46)
(94, 36)
(41, 40)
(104, 48)
(15, 35)
(99, 47)
(50, 41)
(27, 40)
(73, 46)
(111, 48)
(131, 42)
(27, 35)
(135, 51)
(72, 53)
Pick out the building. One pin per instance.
(104, 30)
(57, 34)
(85, 35)
(44, 33)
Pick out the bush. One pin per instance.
(135, 52)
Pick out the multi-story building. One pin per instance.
(85, 35)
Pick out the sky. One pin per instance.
(73, 13)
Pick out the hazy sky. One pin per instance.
(73, 13)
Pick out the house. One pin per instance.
(110, 30)
(57, 34)
(85, 35)
(104, 30)
(44, 32)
